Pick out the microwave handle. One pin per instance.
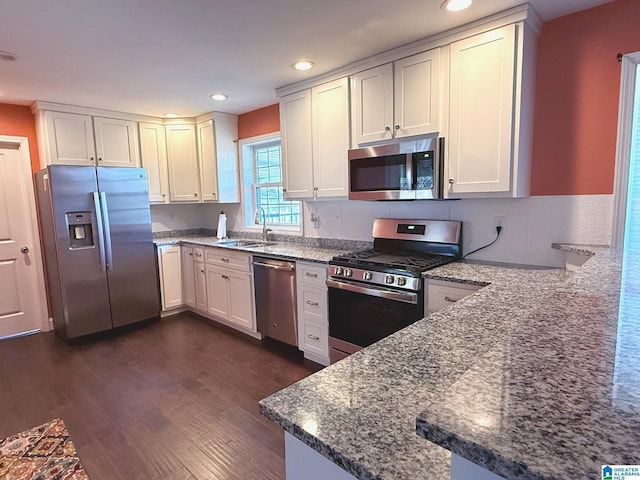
(440, 173)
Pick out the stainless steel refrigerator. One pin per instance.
(99, 254)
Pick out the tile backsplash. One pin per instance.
(532, 224)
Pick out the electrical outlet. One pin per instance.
(499, 221)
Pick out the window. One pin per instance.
(263, 190)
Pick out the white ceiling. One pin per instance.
(156, 56)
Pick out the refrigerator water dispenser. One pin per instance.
(80, 232)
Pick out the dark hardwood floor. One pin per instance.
(177, 399)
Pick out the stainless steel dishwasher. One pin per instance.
(275, 287)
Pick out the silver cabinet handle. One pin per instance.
(312, 275)
(397, 127)
(313, 304)
(313, 337)
(99, 159)
(451, 181)
(449, 299)
(190, 254)
(225, 260)
(387, 129)
(201, 271)
(195, 194)
(92, 159)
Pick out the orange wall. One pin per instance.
(259, 122)
(16, 120)
(577, 95)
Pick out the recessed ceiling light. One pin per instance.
(303, 65)
(456, 5)
(171, 115)
(218, 96)
(7, 55)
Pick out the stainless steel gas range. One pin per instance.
(377, 292)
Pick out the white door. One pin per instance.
(70, 138)
(116, 142)
(217, 292)
(372, 105)
(153, 147)
(416, 94)
(241, 310)
(188, 277)
(208, 161)
(170, 276)
(20, 271)
(331, 137)
(481, 113)
(184, 180)
(295, 127)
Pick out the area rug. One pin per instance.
(42, 453)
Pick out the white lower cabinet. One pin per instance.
(313, 323)
(442, 294)
(229, 287)
(202, 304)
(170, 271)
(188, 277)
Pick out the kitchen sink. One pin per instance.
(243, 243)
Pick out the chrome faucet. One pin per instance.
(265, 230)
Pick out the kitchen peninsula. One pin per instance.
(538, 345)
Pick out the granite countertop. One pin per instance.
(361, 412)
(282, 249)
(557, 393)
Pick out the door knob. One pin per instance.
(24, 249)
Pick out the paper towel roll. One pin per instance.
(222, 225)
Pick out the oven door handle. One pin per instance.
(406, 297)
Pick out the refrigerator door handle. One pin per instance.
(107, 230)
(96, 203)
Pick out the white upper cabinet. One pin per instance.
(295, 130)
(372, 104)
(491, 82)
(398, 99)
(182, 156)
(218, 155)
(76, 139)
(116, 142)
(330, 137)
(69, 138)
(315, 138)
(153, 150)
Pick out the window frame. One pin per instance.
(249, 184)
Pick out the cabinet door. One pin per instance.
(241, 311)
(184, 182)
(188, 277)
(153, 148)
(170, 276)
(208, 161)
(481, 108)
(70, 139)
(201, 287)
(116, 142)
(372, 104)
(331, 137)
(416, 94)
(226, 136)
(217, 292)
(295, 128)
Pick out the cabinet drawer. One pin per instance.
(228, 258)
(314, 338)
(312, 303)
(310, 274)
(440, 296)
(198, 254)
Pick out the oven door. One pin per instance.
(360, 315)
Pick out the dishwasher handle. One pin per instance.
(289, 267)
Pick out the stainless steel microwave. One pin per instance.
(407, 170)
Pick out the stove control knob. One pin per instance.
(366, 276)
(402, 281)
(339, 270)
(347, 272)
(388, 279)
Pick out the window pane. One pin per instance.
(268, 188)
